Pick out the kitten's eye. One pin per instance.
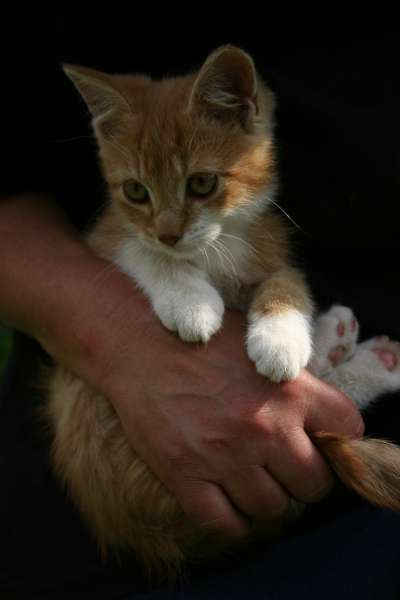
(135, 191)
(201, 184)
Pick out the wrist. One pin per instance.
(87, 314)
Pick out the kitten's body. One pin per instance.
(193, 253)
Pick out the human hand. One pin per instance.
(226, 441)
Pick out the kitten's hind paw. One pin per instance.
(335, 337)
(386, 351)
(373, 370)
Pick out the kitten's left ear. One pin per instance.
(227, 88)
(104, 101)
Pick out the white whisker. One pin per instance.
(244, 242)
(217, 252)
(285, 213)
(207, 258)
(227, 254)
(73, 139)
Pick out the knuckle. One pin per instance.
(283, 437)
(217, 443)
(317, 491)
(316, 482)
(292, 389)
(224, 529)
(256, 424)
(183, 469)
(276, 507)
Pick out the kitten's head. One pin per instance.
(182, 155)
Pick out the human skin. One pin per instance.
(227, 442)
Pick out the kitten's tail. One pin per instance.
(369, 467)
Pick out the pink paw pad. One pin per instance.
(336, 354)
(389, 359)
(340, 329)
(353, 324)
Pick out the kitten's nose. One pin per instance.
(169, 240)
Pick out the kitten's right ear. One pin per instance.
(106, 104)
(228, 88)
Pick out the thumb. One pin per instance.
(330, 410)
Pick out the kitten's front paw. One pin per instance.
(194, 316)
(280, 345)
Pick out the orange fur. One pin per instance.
(284, 289)
(369, 467)
(160, 132)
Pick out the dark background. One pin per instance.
(338, 87)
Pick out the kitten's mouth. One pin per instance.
(181, 249)
(191, 245)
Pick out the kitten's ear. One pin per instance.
(104, 101)
(227, 87)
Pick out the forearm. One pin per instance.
(50, 282)
(34, 238)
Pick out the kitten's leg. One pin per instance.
(335, 338)
(374, 369)
(181, 296)
(279, 335)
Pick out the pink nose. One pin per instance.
(169, 240)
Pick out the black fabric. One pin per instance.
(339, 126)
(320, 563)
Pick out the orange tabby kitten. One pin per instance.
(190, 167)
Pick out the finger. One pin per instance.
(330, 410)
(256, 493)
(297, 465)
(207, 505)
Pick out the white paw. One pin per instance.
(335, 337)
(374, 369)
(195, 314)
(279, 345)
(382, 356)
